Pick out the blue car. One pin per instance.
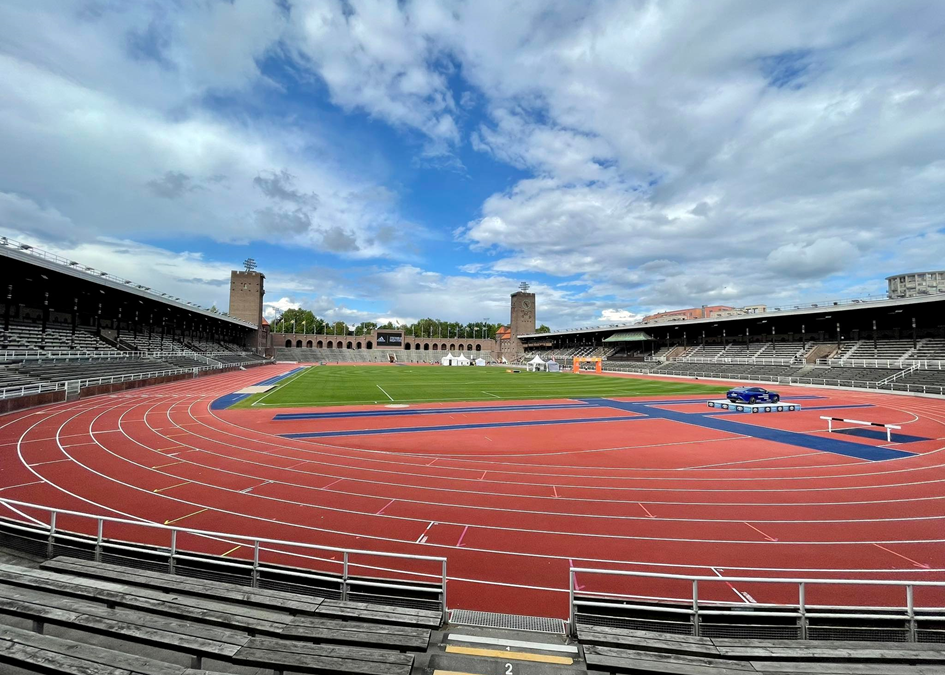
(752, 395)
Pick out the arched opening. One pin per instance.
(331, 344)
(407, 346)
(453, 347)
(426, 346)
(443, 346)
(309, 344)
(298, 344)
(370, 345)
(358, 346)
(348, 345)
(468, 348)
(288, 343)
(436, 347)
(319, 344)
(478, 348)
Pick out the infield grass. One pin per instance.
(366, 385)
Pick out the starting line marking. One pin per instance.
(521, 644)
(513, 656)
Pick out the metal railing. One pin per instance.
(388, 577)
(750, 361)
(82, 382)
(698, 607)
(938, 390)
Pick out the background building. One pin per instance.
(915, 283)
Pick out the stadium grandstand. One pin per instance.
(896, 344)
(69, 330)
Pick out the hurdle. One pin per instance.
(887, 427)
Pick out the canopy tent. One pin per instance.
(536, 363)
(447, 360)
(461, 360)
(552, 366)
(628, 336)
(480, 361)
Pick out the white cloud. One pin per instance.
(84, 137)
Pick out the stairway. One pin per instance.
(482, 650)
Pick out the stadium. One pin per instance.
(472, 337)
(144, 432)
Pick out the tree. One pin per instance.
(304, 319)
(543, 329)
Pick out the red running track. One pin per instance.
(511, 508)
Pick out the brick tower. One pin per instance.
(522, 321)
(246, 300)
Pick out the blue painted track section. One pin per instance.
(645, 409)
(225, 402)
(800, 440)
(461, 427)
(400, 412)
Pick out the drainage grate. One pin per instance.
(537, 624)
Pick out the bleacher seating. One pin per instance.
(781, 350)
(884, 350)
(201, 623)
(30, 337)
(930, 349)
(152, 342)
(619, 650)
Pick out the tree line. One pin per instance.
(304, 321)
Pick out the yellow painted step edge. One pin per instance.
(510, 656)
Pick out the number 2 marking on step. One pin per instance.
(508, 669)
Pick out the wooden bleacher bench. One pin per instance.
(363, 611)
(278, 600)
(796, 668)
(849, 651)
(617, 650)
(667, 643)
(252, 620)
(259, 597)
(615, 660)
(306, 657)
(42, 653)
(313, 629)
(187, 637)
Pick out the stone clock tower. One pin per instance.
(523, 316)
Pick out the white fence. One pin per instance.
(390, 570)
(697, 607)
(43, 387)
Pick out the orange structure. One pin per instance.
(598, 367)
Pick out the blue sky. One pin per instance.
(387, 160)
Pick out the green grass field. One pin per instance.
(361, 385)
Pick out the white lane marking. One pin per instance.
(490, 394)
(741, 596)
(385, 393)
(522, 644)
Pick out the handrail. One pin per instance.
(43, 387)
(803, 611)
(258, 544)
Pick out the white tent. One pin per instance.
(552, 366)
(480, 361)
(536, 364)
(461, 360)
(447, 360)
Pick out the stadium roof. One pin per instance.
(839, 306)
(628, 336)
(50, 261)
